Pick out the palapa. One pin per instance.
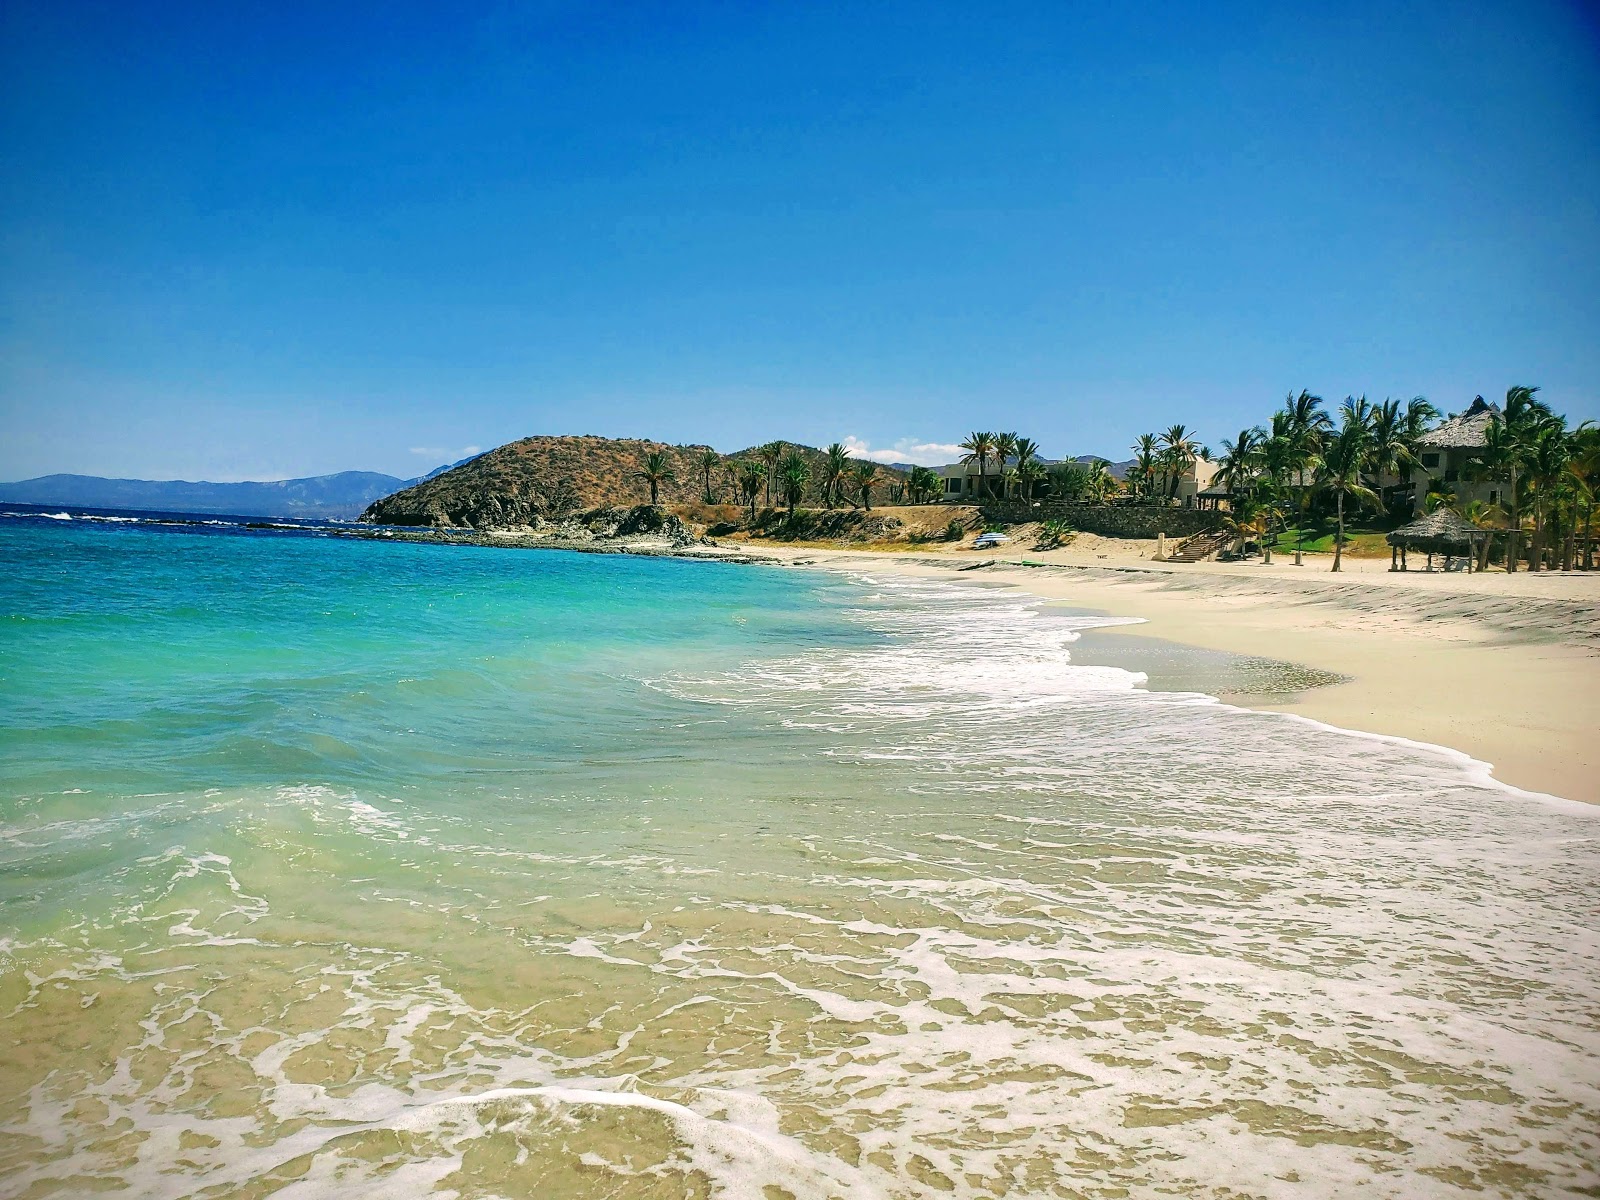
(1440, 532)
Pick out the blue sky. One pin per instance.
(261, 240)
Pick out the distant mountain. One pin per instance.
(324, 497)
(1117, 470)
(544, 477)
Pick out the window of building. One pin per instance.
(1430, 461)
(952, 487)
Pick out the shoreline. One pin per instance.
(1502, 669)
(1533, 705)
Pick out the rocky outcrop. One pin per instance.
(550, 479)
(542, 479)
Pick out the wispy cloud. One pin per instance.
(905, 450)
(443, 452)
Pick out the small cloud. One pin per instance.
(428, 451)
(469, 450)
(905, 450)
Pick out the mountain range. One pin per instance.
(341, 496)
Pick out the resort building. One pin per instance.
(1447, 453)
(960, 480)
(1193, 484)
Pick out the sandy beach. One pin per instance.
(1504, 668)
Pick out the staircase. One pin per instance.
(1201, 546)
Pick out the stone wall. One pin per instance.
(1110, 520)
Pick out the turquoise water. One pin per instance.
(336, 867)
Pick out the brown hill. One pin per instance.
(551, 477)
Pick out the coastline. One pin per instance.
(1504, 669)
(1469, 677)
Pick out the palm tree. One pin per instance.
(710, 460)
(656, 471)
(1252, 509)
(1005, 447)
(793, 474)
(1391, 450)
(1510, 447)
(1343, 459)
(866, 478)
(1306, 416)
(769, 454)
(922, 483)
(836, 461)
(1069, 480)
(1101, 484)
(979, 449)
(1027, 454)
(1549, 454)
(751, 476)
(1241, 459)
(1488, 517)
(1178, 454)
(1144, 463)
(1586, 466)
(1356, 410)
(1030, 474)
(1419, 415)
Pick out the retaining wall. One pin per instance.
(1110, 520)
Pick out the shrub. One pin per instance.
(955, 531)
(1053, 533)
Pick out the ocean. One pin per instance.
(333, 867)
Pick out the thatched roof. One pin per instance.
(1469, 431)
(1439, 528)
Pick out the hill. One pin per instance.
(339, 496)
(551, 477)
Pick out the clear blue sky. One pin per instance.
(258, 240)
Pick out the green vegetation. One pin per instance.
(1053, 533)
(655, 471)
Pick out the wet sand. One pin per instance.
(1503, 668)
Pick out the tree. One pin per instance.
(979, 449)
(1586, 467)
(1026, 451)
(1241, 460)
(835, 462)
(1101, 484)
(1392, 450)
(866, 478)
(1511, 446)
(794, 472)
(1144, 463)
(1005, 447)
(1343, 459)
(1548, 456)
(1418, 416)
(655, 471)
(1030, 475)
(710, 460)
(1306, 416)
(751, 476)
(1178, 454)
(1487, 517)
(922, 483)
(1069, 481)
(770, 454)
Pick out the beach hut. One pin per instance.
(1440, 532)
